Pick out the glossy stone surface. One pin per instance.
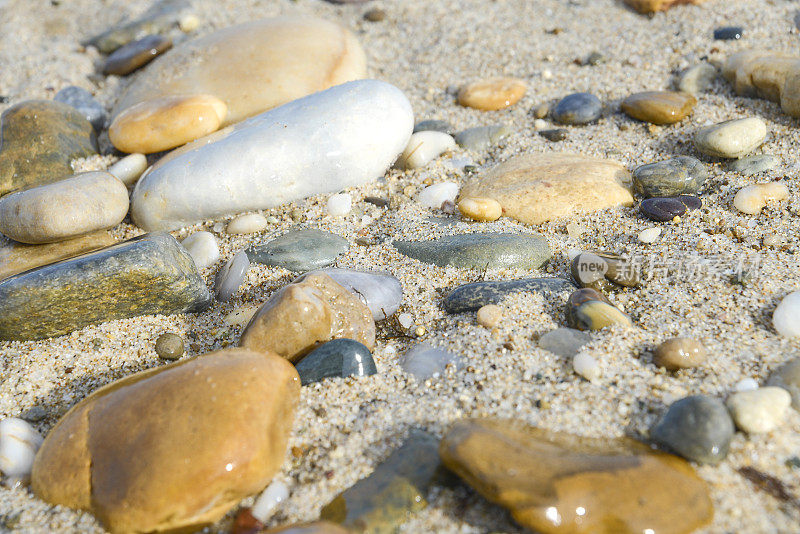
(83, 101)
(651, 6)
(300, 250)
(731, 139)
(471, 297)
(16, 257)
(334, 359)
(203, 248)
(577, 108)
(480, 251)
(728, 33)
(698, 428)
(425, 361)
(605, 271)
(381, 292)
(231, 276)
(158, 19)
(659, 107)
(663, 209)
(679, 353)
(148, 275)
(136, 54)
(122, 452)
(669, 178)
(558, 483)
(482, 137)
(588, 309)
(38, 141)
(424, 147)
(492, 94)
(786, 317)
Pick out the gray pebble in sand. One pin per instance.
(424, 361)
(564, 342)
(787, 377)
(231, 276)
(577, 108)
(82, 100)
(473, 296)
(754, 164)
(336, 358)
(699, 428)
(671, 177)
(300, 250)
(482, 137)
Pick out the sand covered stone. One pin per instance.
(148, 275)
(358, 129)
(555, 482)
(731, 139)
(651, 6)
(659, 107)
(536, 188)
(492, 94)
(473, 296)
(159, 18)
(304, 314)
(19, 257)
(172, 447)
(588, 309)
(566, 342)
(38, 141)
(136, 54)
(482, 137)
(255, 66)
(63, 210)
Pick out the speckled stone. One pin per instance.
(473, 296)
(136, 54)
(665, 209)
(396, 488)
(482, 137)
(604, 271)
(381, 292)
(558, 483)
(83, 101)
(147, 275)
(659, 107)
(675, 176)
(434, 125)
(425, 361)
(588, 309)
(480, 251)
(336, 358)
(38, 141)
(577, 108)
(787, 377)
(300, 250)
(16, 257)
(754, 164)
(158, 19)
(566, 342)
(170, 346)
(699, 428)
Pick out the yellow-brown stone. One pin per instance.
(492, 94)
(16, 257)
(659, 107)
(173, 447)
(651, 6)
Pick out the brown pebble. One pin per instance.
(679, 353)
(169, 346)
(659, 107)
(492, 94)
(375, 15)
(136, 54)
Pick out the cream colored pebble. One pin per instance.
(649, 235)
(480, 209)
(489, 315)
(247, 224)
(753, 198)
(759, 410)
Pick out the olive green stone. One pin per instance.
(604, 271)
(158, 19)
(38, 141)
(382, 501)
(16, 257)
(169, 346)
(148, 275)
(587, 309)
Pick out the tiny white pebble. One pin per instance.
(489, 315)
(539, 125)
(270, 498)
(247, 224)
(747, 384)
(19, 442)
(340, 205)
(435, 195)
(188, 23)
(218, 227)
(405, 320)
(649, 235)
(547, 74)
(586, 366)
(423, 147)
(572, 252)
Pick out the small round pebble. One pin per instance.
(746, 384)
(649, 235)
(663, 209)
(247, 224)
(760, 410)
(480, 209)
(489, 315)
(19, 442)
(698, 427)
(728, 33)
(679, 353)
(340, 205)
(697, 79)
(555, 134)
(577, 108)
(203, 248)
(753, 198)
(169, 346)
(375, 15)
(586, 366)
(539, 125)
(754, 164)
(270, 498)
(405, 320)
(492, 94)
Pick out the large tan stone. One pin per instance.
(651, 6)
(173, 447)
(306, 313)
(535, 188)
(774, 76)
(19, 257)
(255, 66)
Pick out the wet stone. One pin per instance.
(665, 209)
(555, 135)
(588, 309)
(728, 33)
(473, 296)
(83, 101)
(754, 164)
(679, 353)
(669, 178)
(604, 271)
(434, 125)
(566, 342)
(482, 137)
(425, 361)
(577, 108)
(170, 346)
(699, 428)
(158, 19)
(300, 250)
(336, 358)
(231, 276)
(659, 107)
(136, 54)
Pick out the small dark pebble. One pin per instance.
(665, 209)
(769, 484)
(556, 134)
(793, 462)
(375, 15)
(577, 108)
(336, 358)
(34, 414)
(132, 56)
(377, 201)
(595, 58)
(728, 33)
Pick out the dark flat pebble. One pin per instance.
(471, 297)
(663, 209)
(728, 33)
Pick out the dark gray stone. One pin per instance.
(158, 19)
(136, 54)
(480, 251)
(665, 209)
(604, 271)
(300, 250)
(555, 135)
(577, 108)
(471, 297)
(566, 342)
(434, 126)
(675, 176)
(83, 101)
(728, 33)
(482, 137)
(336, 358)
(699, 428)
(754, 164)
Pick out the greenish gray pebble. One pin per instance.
(698, 427)
(473, 296)
(482, 137)
(434, 125)
(671, 177)
(300, 250)
(577, 108)
(169, 346)
(754, 164)
(158, 19)
(787, 377)
(604, 271)
(336, 359)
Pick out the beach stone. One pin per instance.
(358, 128)
(649, 235)
(396, 488)
(253, 67)
(121, 453)
(136, 54)
(83, 101)
(588, 309)
(339, 205)
(566, 342)
(760, 410)
(604, 271)
(492, 94)
(659, 107)
(306, 313)
(424, 361)
(434, 125)
(679, 353)
(375, 15)
(731, 139)
(231, 276)
(489, 316)
(129, 168)
(587, 367)
(537, 188)
(424, 147)
(652, 6)
(786, 317)
(165, 123)
(577, 108)
(38, 141)
(669, 178)
(753, 198)
(317, 527)
(480, 209)
(169, 346)
(787, 377)
(158, 19)
(250, 223)
(437, 194)
(774, 76)
(16, 257)
(336, 358)
(300, 250)
(473, 296)
(751, 165)
(270, 498)
(147, 275)
(555, 482)
(555, 135)
(664, 209)
(698, 79)
(698, 428)
(381, 292)
(66, 209)
(480, 138)
(19, 442)
(728, 33)
(480, 251)
(203, 248)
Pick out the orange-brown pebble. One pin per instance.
(480, 209)
(659, 107)
(492, 94)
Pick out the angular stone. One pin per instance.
(473, 296)
(16, 257)
(300, 250)
(136, 54)
(492, 94)
(537, 188)
(397, 488)
(679, 353)
(358, 128)
(83, 101)
(480, 251)
(565, 342)
(254, 66)
(158, 19)
(425, 361)
(122, 453)
(302, 315)
(337, 358)
(577, 108)
(659, 107)
(554, 482)
(63, 210)
(588, 309)
(754, 164)
(731, 139)
(698, 428)
(787, 377)
(651, 6)
(38, 141)
(604, 271)
(669, 178)
(148, 275)
(381, 292)
(482, 137)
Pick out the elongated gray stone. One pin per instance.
(565, 342)
(300, 250)
(341, 137)
(159, 18)
(336, 358)
(381, 292)
(754, 164)
(231, 276)
(471, 297)
(424, 361)
(148, 275)
(480, 251)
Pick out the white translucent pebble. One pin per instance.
(746, 384)
(340, 205)
(539, 125)
(586, 366)
(435, 195)
(649, 235)
(572, 252)
(786, 317)
(424, 147)
(247, 224)
(129, 168)
(424, 361)
(203, 248)
(270, 498)
(405, 320)
(458, 163)
(19, 442)
(753, 198)
(759, 410)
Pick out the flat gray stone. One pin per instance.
(434, 126)
(754, 164)
(480, 251)
(300, 250)
(231, 276)
(158, 19)
(336, 358)
(471, 297)
(424, 361)
(482, 137)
